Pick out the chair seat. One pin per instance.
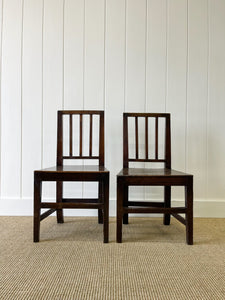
(75, 169)
(145, 176)
(130, 172)
(71, 172)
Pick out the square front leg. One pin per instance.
(106, 210)
(37, 208)
(189, 213)
(120, 193)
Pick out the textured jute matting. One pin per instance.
(71, 262)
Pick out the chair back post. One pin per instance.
(125, 140)
(168, 143)
(101, 140)
(59, 161)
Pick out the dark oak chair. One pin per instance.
(60, 173)
(152, 177)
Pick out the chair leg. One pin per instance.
(125, 203)
(100, 197)
(106, 210)
(37, 209)
(189, 214)
(120, 191)
(167, 203)
(59, 195)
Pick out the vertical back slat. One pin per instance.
(136, 136)
(81, 133)
(156, 137)
(71, 135)
(146, 137)
(90, 140)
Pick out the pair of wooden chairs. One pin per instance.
(127, 177)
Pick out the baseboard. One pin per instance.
(24, 207)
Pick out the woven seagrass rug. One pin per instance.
(71, 261)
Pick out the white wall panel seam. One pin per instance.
(104, 59)
(63, 66)
(187, 71)
(84, 53)
(207, 103)
(146, 48)
(63, 57)
(125, 57)
(166, 56)
(42, 83)
(21, 107)
(84, 27)
(146, 62)
(84, 64)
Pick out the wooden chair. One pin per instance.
(152, 177)
(60, 173)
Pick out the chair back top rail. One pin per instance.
(81, 112)
(81, 155)
(155, 139)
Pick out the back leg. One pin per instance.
(59, 195)
(125, 203)
(37, 209)
(167, 203)
(100, 198)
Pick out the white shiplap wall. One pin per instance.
(116, 55)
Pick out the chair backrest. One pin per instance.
(65, 120)
(154, 138)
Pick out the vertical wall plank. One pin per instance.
(73, 71)
(115, 60)
(52, 78)
(156, 55)
(1, 21)
(94, 54)
(11, 95)
(73, 54)
(135, 93)
(135, 55)
(156, 67)
(94, 66)
(197, 93)
(216, 105)
(31, 93)
(176, 80)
